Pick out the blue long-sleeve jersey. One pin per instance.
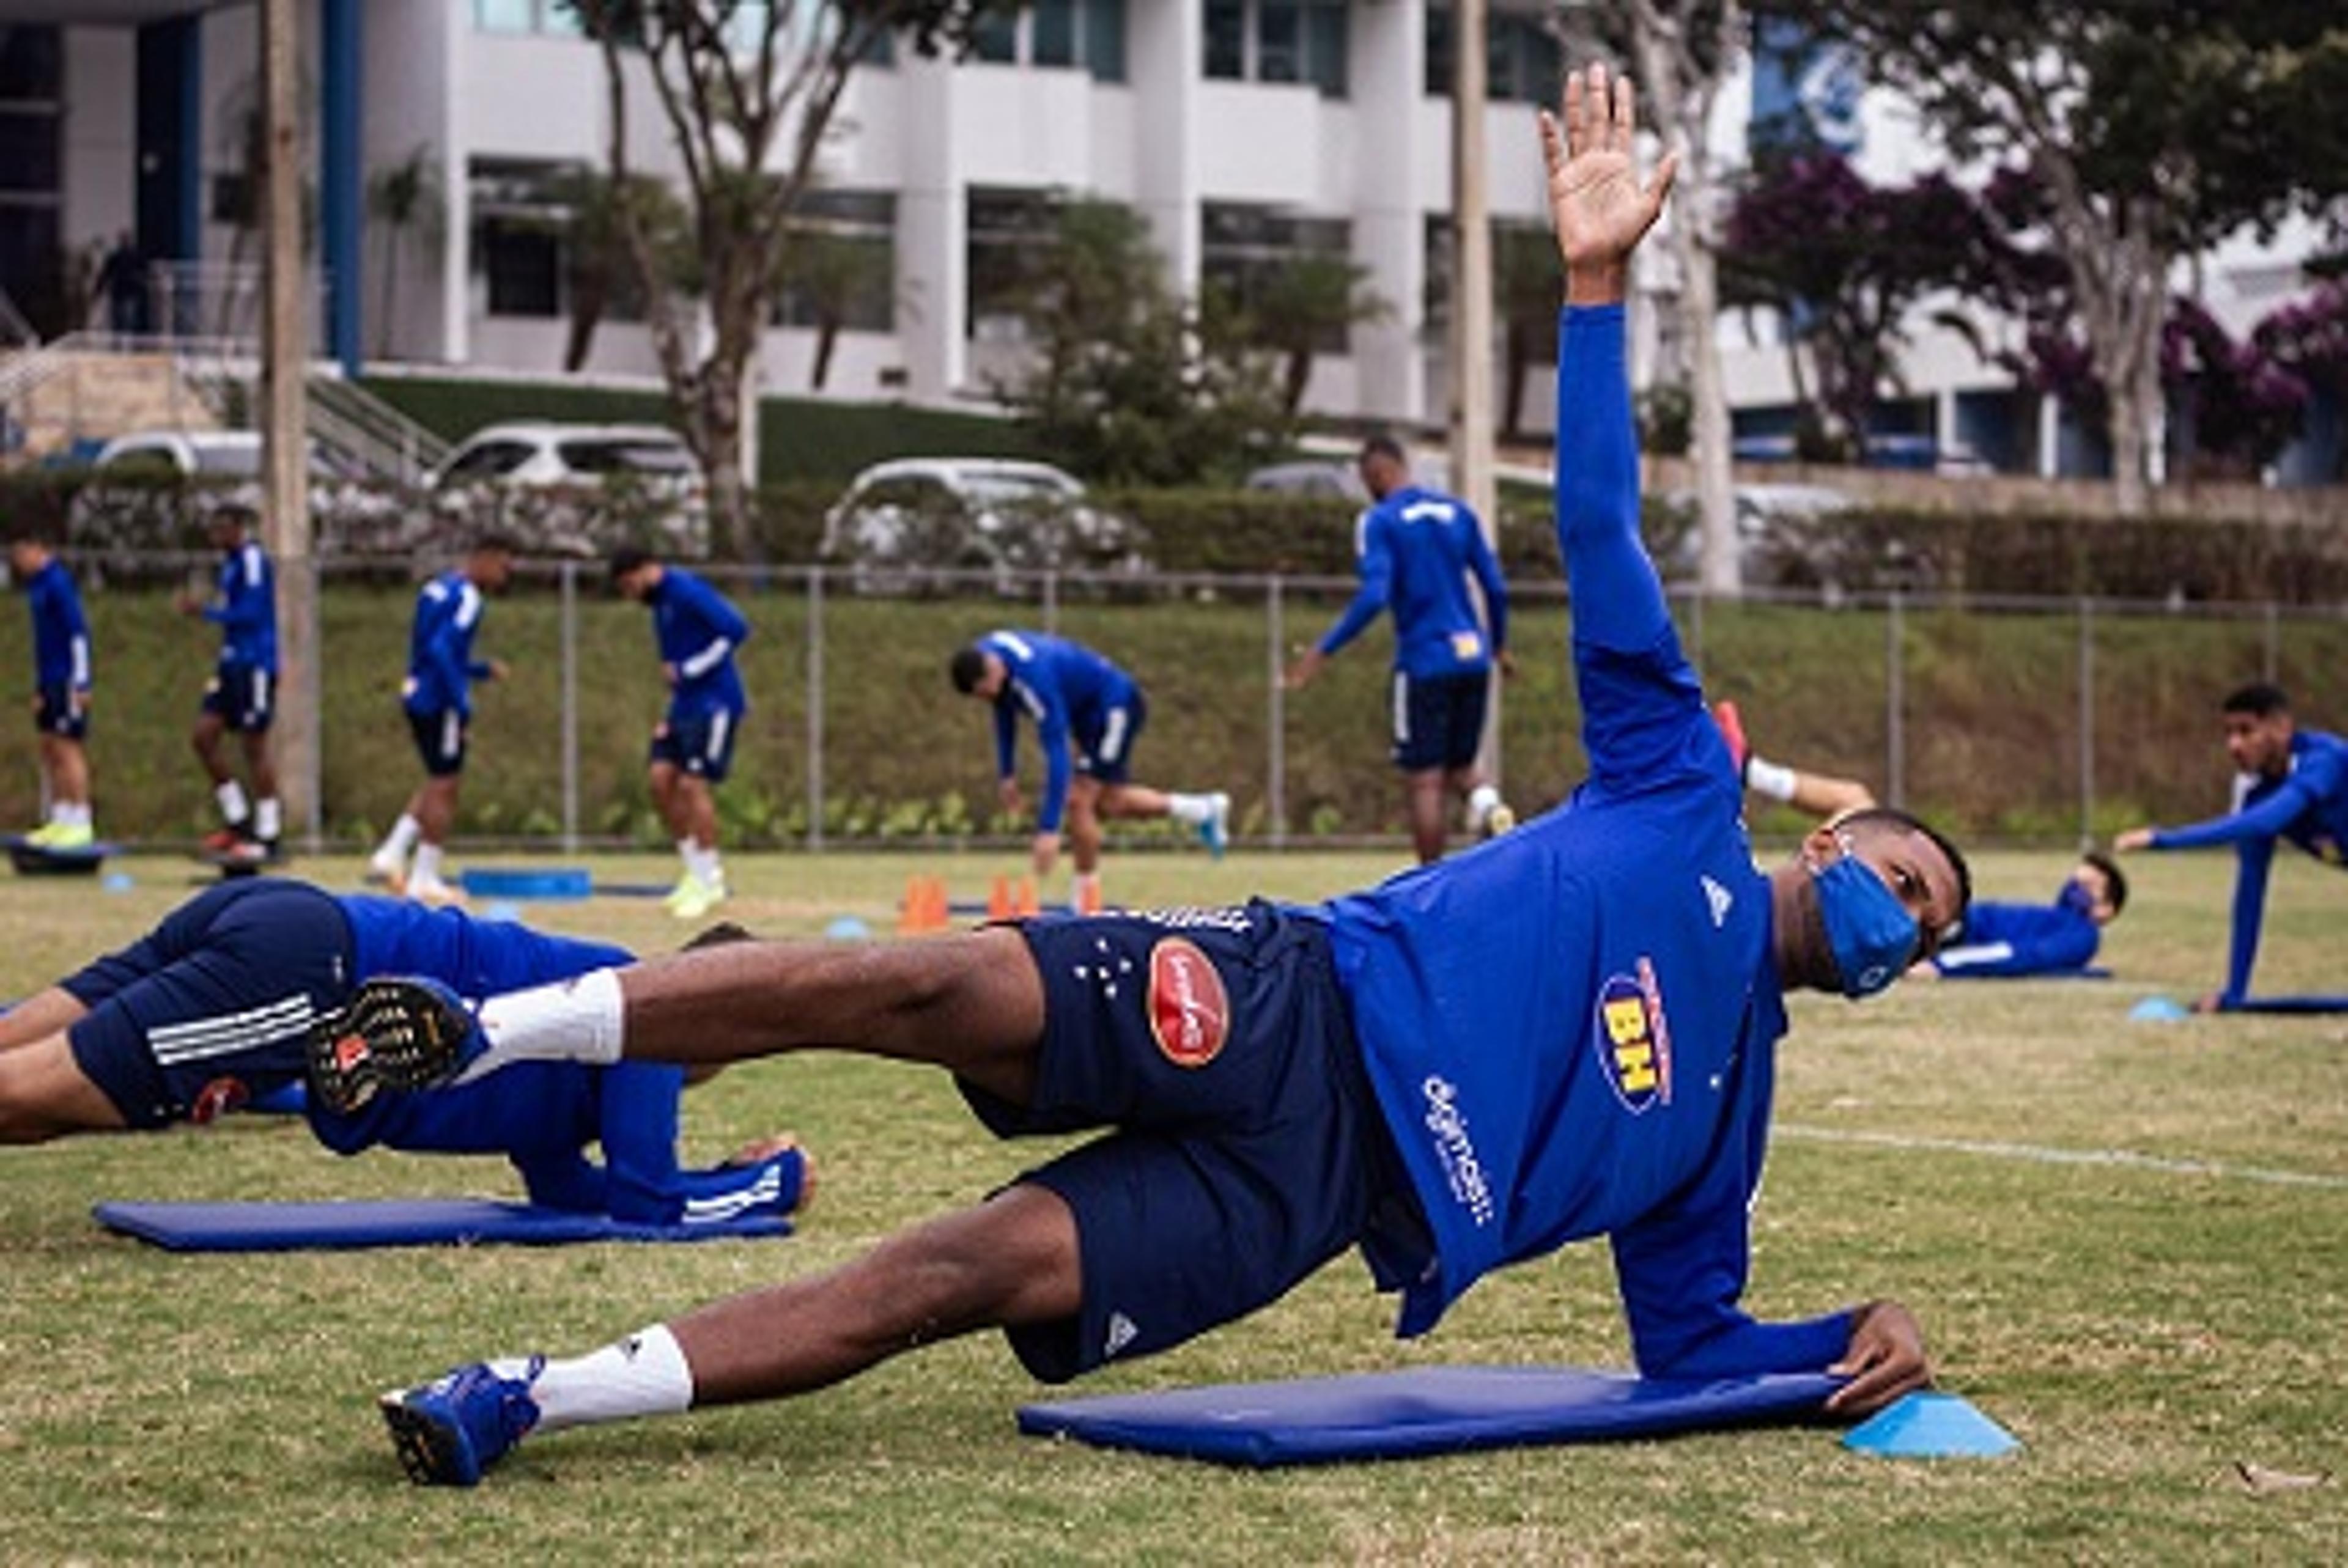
(2007, 941)
(441, 668)
(60, 630)
(1572, 1030)
(1065, 688)
(1416, 552)
(540, 1115)
(699, 631)
(2307, 806)
(245, 607)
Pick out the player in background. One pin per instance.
(1087, 713)
(61, 690)
(699, 633)
(437, 697)
(1418, 552)
(242, 694)
(2289, 784)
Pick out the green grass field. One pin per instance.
(2141, 1326)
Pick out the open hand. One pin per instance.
(2134, 839)
(1599, 209)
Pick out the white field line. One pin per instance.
(2126, 1159)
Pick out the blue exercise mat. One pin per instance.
(554, 882)
(1428, 1410)
(399, 1222)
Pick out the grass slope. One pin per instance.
(2140, 1330)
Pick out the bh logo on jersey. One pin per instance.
(1634, 1042)
(1188, 1012)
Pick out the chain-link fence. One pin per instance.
(2018, 719)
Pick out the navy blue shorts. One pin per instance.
(1249, 1147)
(1104, 742)
(55, 714)
(1438, 720)
(698, 740)
(243, 695)
(439, 741)
(211, 1006)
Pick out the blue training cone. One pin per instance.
(1931, 1426)
(2157, 1009)
(848, 928)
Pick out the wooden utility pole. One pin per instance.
(1472, 311)
(285, 475)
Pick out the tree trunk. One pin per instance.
(390, 290)
(827, 338)
(587, 298)
(1519, 359)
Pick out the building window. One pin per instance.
(1051, 33)
(1012, 234)
(1521, 63)
(841, 262)
(520, 211)
(995, 39)
(1278, 41)
(505, 15)
(1244, 248)
(1088, 35)
(32, 65)
(1103, 44)
(28, 151)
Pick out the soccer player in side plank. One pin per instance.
(1464, 1068)
(2292, 783)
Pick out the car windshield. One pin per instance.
(239, 462)
(626, 456)
(1016, 486)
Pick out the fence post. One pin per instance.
(570, 707)
(1895, 701)
(2086, 723)
(815, 707)
(1275, 762)
(1052, 601)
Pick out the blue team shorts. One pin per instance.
(211, 1007)
(54, 714)
(243, 695)
(1104, 744)
(439, 741)
(1249, 1147)
(1438, 720)
(699, 741)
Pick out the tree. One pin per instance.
(1302, 304)
(598, 262)
(2243, 405)
(2308, 338)
(2150, 128)
(401, 196)
(1129, 384)
(749, 89)
(830, 274)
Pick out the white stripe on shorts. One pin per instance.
(1112, 746)
(1401, 709)
(199, 1039)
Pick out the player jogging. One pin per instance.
(1566, 1032)
(242, 694)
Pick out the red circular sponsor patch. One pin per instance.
(1188, 1011)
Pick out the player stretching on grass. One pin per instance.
(213, 1008)
(1088, 714)
(1568, 1033)
(2292, 783)
(242, 694)
(1419, 550)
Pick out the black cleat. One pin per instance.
(397, 1034)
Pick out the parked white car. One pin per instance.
(913, 515)
(563, 486)
(154, 489)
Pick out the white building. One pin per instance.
(1245, 130)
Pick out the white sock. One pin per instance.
(1480, 802)
(704, 866)
(1193, 809)
(78, 813)
(268, 817)
(401, 838)
(1763, 778)
(570, 1020)
(426, 872)
(231, 795)
(643, 1375)
(685, 854)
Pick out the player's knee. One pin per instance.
(1012, 1259)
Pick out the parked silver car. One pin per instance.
(910, 521)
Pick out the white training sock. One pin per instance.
(269, 818)
(1763, 778)
(1480, 802)
(76, 813)
(1193, 809)
(704, 866)
(643, 1375)
(231, 795)
(426, 871)
(401, 838)
(570, 1020)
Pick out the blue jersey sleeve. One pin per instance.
(727, 630)
(1007, 740)
(1682, 1271)
(2034, 946)
(1642, 709)
(1376, 567)
(1487, 567)
(1052, 739)
(2266, 819)
(2253, 857)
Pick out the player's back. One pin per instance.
(1431, 541)
(2320, 759)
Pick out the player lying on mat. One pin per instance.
(214, 1006)
(2001, 940)
(2291, 784)
(1566, 1032)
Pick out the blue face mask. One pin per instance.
(2077, 899)
(1872, 936)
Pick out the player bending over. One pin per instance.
(1566, 1032)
